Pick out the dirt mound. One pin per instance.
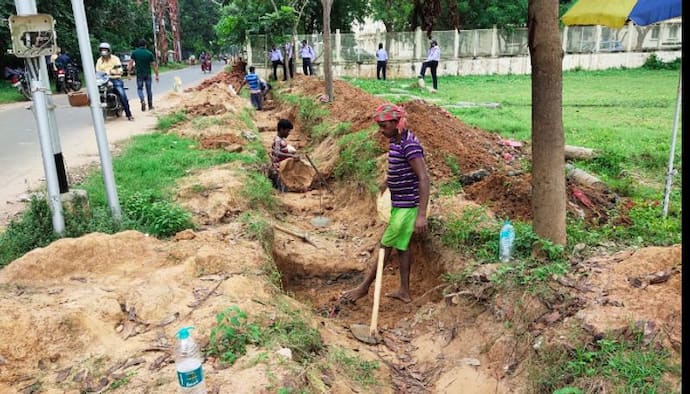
(507, 196)
(221, 141)
(214, 99)
(234, 78)
(351, 103)
(444, 135)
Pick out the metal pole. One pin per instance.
(155, 40)
(96, 111)
(671, 172)
(38, 97)
(28, 7)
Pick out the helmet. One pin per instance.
(104, 45)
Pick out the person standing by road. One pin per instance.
(277, 60)
(307, 54)
(381, 62)
(111, 65)
(143, 60)
(408, 181)
(290, 54)
(432, 58)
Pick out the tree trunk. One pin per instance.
(327, 69)
(548, 141)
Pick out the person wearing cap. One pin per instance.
(110, 64)
(432, 58)
(307, 54)
(143, 60)
(408, 182)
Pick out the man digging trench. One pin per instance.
(408, 181)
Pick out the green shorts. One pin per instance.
(400, 228)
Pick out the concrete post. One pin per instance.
(629, 40)
(338, 45)
(597, 39)
(565, 39)
(456, 44)
(494, 41)
(418, 43)
(249, 53)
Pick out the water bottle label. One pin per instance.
(190, 378)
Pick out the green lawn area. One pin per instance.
(627, 114)
(8, 93)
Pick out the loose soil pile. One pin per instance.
(83, 313)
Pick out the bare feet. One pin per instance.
(400, 295)
(353, 294)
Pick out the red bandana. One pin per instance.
(387, 112)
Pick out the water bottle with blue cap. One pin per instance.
(505, 242)
(188, 360)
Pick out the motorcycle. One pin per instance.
(206, 65)
(18, 78)
(68, 78)
(110, 101)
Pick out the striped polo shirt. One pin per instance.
(402, 181)
(253, 82)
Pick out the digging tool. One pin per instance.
(361, 331)
(321, 179)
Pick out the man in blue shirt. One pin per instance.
(254, 83)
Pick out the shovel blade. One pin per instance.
(363, 333)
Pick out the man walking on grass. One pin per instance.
(408, 181)
(143, 60)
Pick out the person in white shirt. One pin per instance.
(291, 59)
(432, 58)
(307, 54)
(381, 62)
(277, 60)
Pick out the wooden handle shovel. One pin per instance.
(377, 293)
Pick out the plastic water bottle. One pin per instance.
(505, 242)
(188, 361)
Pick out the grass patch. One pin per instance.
(257, 228)
(204, 122)
(259, 192)
(357, 161)
(9, 94)
(172, 66)
(360, 371)
(311, 111)
(608, 365)
(323, 130)
(166, 122)
(290, 330)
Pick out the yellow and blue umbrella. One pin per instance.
(615, 13)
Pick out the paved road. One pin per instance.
(21, 164)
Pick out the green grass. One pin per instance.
(617, 365)
(9, 94)
(357, 161)
(349, 363)
(166, 122)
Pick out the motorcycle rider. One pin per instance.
(111, 65)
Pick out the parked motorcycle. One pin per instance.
(17, 77)
(110, 101)
(68, 78)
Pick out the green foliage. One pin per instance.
(204, 122)
(291, 331)
(9, 94)
(450, 188)
(357, 161)
(322, 130)
(198, 36)
(155, 216)
(166, 122)
(231, 335)
(473, 232)
(33, 230)
(654, 63)
(259, 192)
(452, 163)
(360, 371)
(123, 381)
(627, 365)
(310, 114)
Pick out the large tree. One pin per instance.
(548, 140)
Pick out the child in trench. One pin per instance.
(281, 150)
(408, 181)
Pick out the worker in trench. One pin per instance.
(408, 181)
(281, 150)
